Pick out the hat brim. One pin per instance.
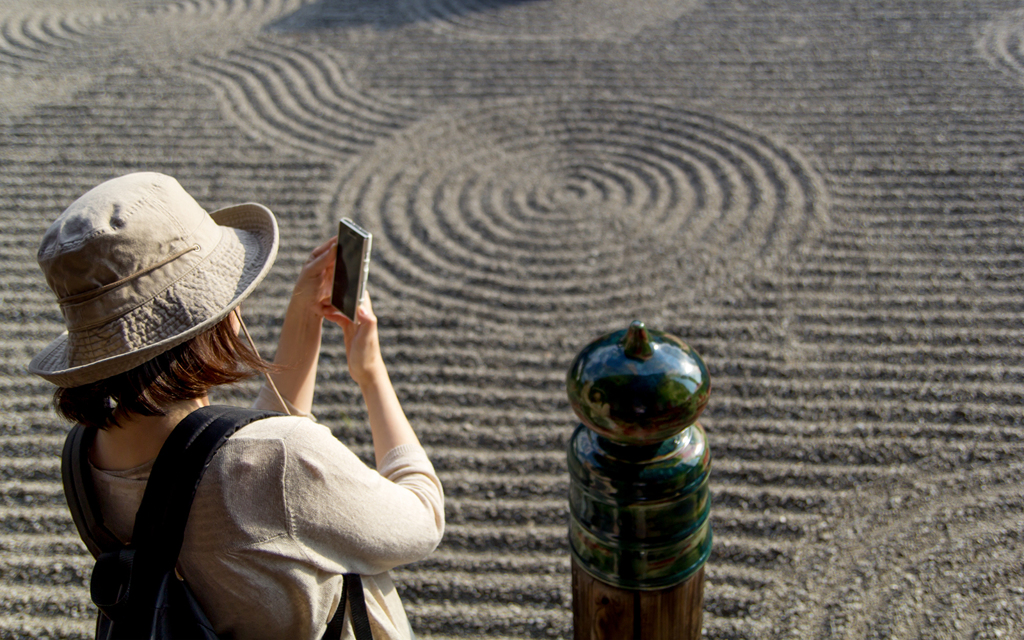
(192, 305)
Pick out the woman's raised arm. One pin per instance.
(388, 423)
(298, 350)
(298, 353)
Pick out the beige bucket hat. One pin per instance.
(139, 267)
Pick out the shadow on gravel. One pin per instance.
(381, 14)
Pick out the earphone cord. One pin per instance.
(270, 380)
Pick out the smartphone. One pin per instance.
(351, 268)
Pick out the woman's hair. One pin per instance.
(188, 371)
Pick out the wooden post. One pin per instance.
(603, 612)
(638, 488)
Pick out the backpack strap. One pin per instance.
(127, 579)
(351, 593)
(179, 467)
(160, 522)
(159, 528)
(80, 493)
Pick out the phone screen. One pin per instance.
(351, 268)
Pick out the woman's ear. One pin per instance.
(236, 319)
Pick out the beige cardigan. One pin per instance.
(285, 509)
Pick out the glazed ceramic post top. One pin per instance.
(639, 462)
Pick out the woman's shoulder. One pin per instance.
(278, 439)
(296, 437)
(281, 427)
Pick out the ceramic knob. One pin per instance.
(638, 386)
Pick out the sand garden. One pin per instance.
(824, 199)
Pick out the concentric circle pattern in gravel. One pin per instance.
(547, 213)
(824, 199)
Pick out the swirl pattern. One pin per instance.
(300, 98)
(225, 9)
(1002, 43)
(551, 207)
(40, 37)
(866, 415)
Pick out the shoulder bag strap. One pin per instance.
(81, 495)
(351, 593)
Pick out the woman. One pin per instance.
(149, 285)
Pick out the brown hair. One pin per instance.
(188, 371)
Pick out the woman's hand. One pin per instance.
(362, 344)
(312, 292)
(312, 295)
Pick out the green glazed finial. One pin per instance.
(639, 463)
(637, 343)
(637, 385)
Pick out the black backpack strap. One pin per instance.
(124, 580)
(177, 471)
(81, 494)
(360, 620)
(351, 593)
(163, 515)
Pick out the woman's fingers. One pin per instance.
(330, 312)
(322, 257)
(323, 248)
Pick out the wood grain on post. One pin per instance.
(604, 612)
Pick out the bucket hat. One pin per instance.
(139, 267)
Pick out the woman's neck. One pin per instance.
(136, 439)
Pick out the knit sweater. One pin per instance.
(283, 510)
